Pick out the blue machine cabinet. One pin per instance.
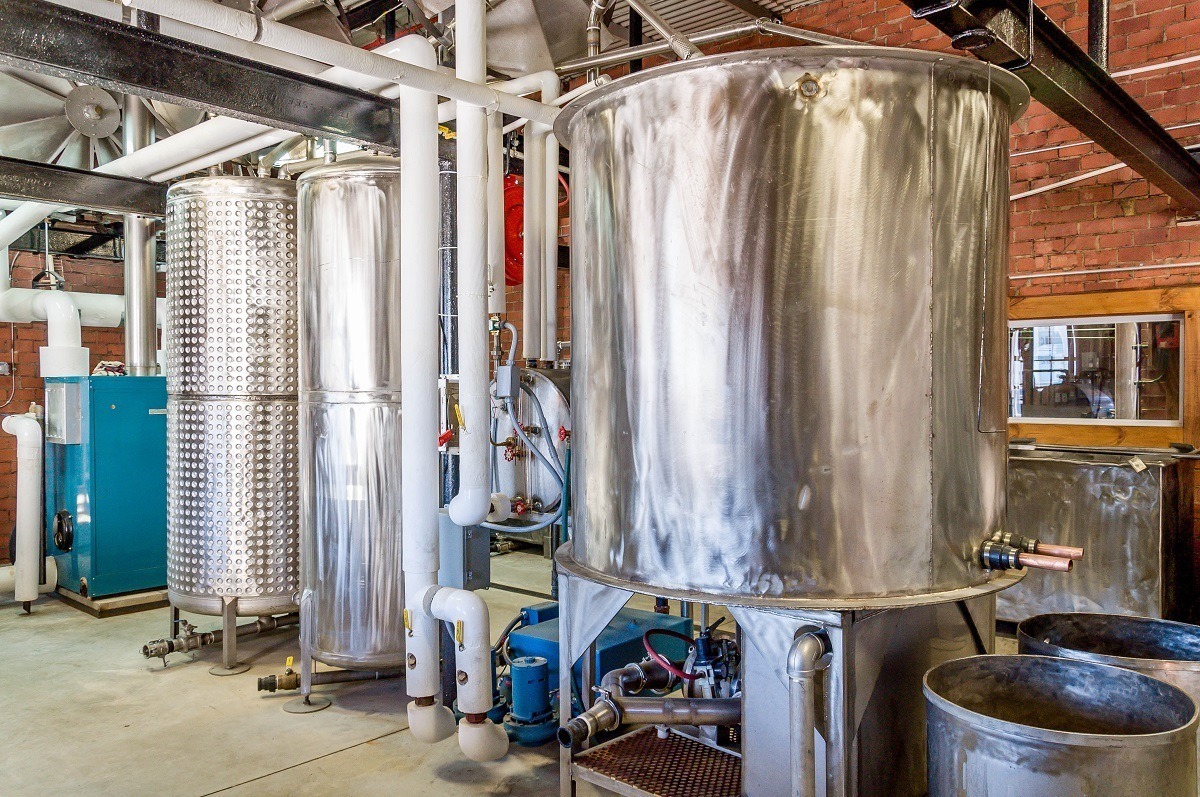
(106, 482)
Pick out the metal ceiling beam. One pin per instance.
(752, 9)
(55, 40)
(79, 188)
(1062, 77)
(362, 15)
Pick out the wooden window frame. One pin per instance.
(1182, 301)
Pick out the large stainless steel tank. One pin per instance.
(353, 585)
(230, 339)
(1001, 726)
(788, 267)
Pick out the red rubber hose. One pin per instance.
(663, 661)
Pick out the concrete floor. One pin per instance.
(82, 712)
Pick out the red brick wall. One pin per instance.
(1116, 221)
(1113, 221)
(84, 276)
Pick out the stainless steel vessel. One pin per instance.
(519, 474)
(1017, 725)
(788, 326)
(353, 587)
(230, 340)
(1166, 650)
(1134, 519)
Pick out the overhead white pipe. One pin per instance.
(28, 432)
(241, 25)
(207, 144)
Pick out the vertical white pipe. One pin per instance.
(549, 313)
(534, 249)
(419, 288)
(495, 205)
(473, 502)
(28, 432)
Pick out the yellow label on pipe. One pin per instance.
(407, 621)
(458, 631)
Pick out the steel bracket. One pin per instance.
(1017, 35)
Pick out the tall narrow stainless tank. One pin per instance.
(788, 304)
(1001, 726)
(353, 585)
(230, 340)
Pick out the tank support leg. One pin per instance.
(307, 703)
(174, 623)
(229, 664)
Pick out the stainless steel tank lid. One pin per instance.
(1061, 701)
(1013, 87)
(221, 185)
(377, 164)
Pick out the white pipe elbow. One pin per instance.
(479, 738)
(64, 355)
(471, 506)
(62, 318)
(28, 432)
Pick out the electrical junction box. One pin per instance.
(106, 482)
(619, 644)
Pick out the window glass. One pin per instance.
(1113, 370)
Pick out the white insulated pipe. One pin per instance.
(419, 289)
(162, 155)
(478, 737)
(207, 144)
(425, 602)
(8, 578)
(63, 354)
(241, 25)
(28, 432)
(473, 502)
(549, 314)
(497, 299)
(534, 247)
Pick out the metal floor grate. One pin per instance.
(673, 767)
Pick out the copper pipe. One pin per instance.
(1061, 551)
(1042, 562)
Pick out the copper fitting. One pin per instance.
(1061, 551)
(1043, 562)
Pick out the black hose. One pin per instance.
(516, 622)
(976, 637)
